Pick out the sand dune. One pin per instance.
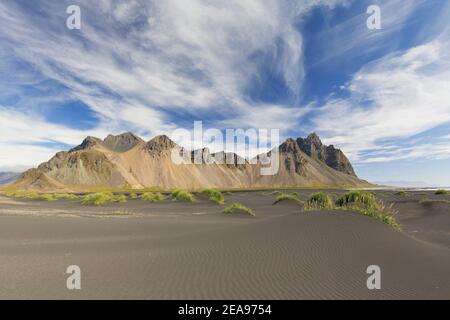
(192, 251)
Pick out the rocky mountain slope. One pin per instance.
(126, 161)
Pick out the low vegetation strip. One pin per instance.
(442, 192)
(239, 207)
(39, 196)
(430, 201)
(153, 196)
(101, 198)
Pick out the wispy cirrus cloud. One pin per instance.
(398, 96)
(138, 65)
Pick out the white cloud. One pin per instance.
(135, 63)
(435, 151)
(27, 139)
(396, 97)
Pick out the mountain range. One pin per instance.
(127, 161)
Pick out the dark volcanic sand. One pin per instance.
(192, 251)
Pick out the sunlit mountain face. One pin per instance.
(374, 83)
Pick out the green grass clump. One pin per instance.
(287, 197)
(153, 196)
(48, 197)
(120, 198)
(426, 201)
(365, 198)
(380, 214)
(182, 195)
(441, 192)
(214, 195)
(365, 203)
(319, 200)
(100, 198)
(133, 196)
(238, 207)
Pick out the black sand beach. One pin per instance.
(175, 250)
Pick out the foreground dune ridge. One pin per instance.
(176, 251)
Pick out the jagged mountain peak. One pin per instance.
(331, 156)
(118, 143)
(122, 142)
(160, 143)
(125, 135)
(290, 145)
(88, 143)
(314, 138)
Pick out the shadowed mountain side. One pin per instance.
(331, 156)
(127, 161)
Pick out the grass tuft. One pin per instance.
(365, 198)
(238, 207)
(133, 196)
(287, 197)
(365, 203)
(319, 200)
(48, 197)
(182, 195)
(441, 192)
(214, 195)
(153, 196)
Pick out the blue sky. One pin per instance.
(300, 66)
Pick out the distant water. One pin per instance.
(388, 188)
